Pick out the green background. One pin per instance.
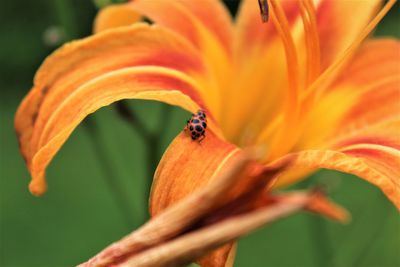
(97, 182)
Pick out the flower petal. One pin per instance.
(340, 23)
(377, 164)
(207, 25)
(368, 91)
(186, 167)
(115, 16)
(190, 19)
(77, 68)
(260, 75)
(375, 75)
(361, 134)
(260, 51)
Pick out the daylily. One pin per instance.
(305, 87)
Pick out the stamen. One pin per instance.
(290, 112)
(319, 86)
(282, 26)
(312, 41)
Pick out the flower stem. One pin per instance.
(320, 239)
(318, 234)
(151, 139)
(120, 195)
(359, 238)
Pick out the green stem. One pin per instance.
(154, 147)
(319, 236)
(118, 192)
(360, 238)
(127, 115)
(320, 239)
(374, 235)
(151, 139)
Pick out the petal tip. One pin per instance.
(37, 187)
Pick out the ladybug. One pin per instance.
(197, 125)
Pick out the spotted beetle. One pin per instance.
(197, 125)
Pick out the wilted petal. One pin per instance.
(75, 81)
(175, 220)
(201, 239)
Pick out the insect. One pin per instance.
(197, 125)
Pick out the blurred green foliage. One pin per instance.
(80, 215)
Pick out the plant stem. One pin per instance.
(120, 195)
(359, 238)
(319, 236)
(151, 139)
(320, 239)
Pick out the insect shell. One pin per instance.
(197, 125)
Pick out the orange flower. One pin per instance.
(305, 87)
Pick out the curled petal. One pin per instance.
(376, 164)
(131, 83)
(77, 69)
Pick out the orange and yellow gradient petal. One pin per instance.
(359, 132)
(143, 61)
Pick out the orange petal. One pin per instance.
(93, 62)
(359, 132)
(340, 23)
(189, 19)
(259, 51)
(260, 75)
(115, 16)
(187, 166)
(206, 24)
(318, 203)
(374, 75)
(368, 92)
(377, 164)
